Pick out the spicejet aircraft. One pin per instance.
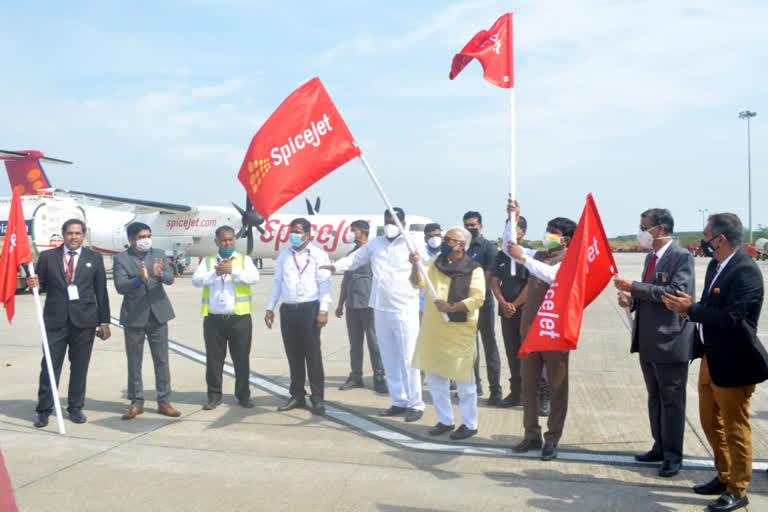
(176, 228)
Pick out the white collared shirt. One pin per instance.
(391, 288)
(65, 259)
(546, 273)
(298, 278)
(661, 251)
(221, 299)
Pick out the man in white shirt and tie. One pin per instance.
(226, 278)
(305, 289)
(396, 312)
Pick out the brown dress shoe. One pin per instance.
(168, 410)
(132, 413)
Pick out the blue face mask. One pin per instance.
(295, 239)
(226, 253)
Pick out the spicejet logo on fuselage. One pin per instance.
(310, 136)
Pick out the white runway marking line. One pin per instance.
(403, 440)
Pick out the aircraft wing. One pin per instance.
(136, 205)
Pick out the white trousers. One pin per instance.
(397, 333)
(440, 389)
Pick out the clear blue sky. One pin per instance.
(634, 101)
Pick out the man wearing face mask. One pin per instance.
(733, 358)
(355, 293)
(226, 278)
(484, 251)
(433, 237)
(140, 274)
(305, 290)
(396, 311)
(664, 340)
(447, 350)
(542, 267)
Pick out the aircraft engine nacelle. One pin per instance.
(47, 216)
(106, 229)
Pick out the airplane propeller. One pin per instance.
(250, 219)
(316, 209)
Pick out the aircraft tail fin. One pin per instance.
(25, 170)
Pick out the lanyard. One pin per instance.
(69, 265)
(300, 270)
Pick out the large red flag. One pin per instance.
(7, 501)
(586, 270)
(15, 252)
(493, 48)
(302, 141)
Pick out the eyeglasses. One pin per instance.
(647, 228)
(449, 239)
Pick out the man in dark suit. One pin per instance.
(76, 308)
(140, 273)
(663, 339)
(733, 358)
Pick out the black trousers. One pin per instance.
(486, 327)
(301, 338)
(360, 327)
(80, 342)
(218, 332)
(665, 383)
(510, 331)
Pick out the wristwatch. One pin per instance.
(522, 260)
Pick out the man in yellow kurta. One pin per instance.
(446, 350)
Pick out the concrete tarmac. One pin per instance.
(258, 459)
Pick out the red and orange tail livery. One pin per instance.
(25, 171)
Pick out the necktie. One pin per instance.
(70, 266)
(651, 267)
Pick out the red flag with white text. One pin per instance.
(301, 142)
(584, 273)
(493, 48)
(15, 252)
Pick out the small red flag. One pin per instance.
(493, 48)
(301, 142)
(7, 501)
(15, 252)
(586, 270)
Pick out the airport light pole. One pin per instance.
(703, 222)
(746, 114)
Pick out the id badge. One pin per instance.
(72, 292)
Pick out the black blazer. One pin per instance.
(92, 308)
(660, 335)
(728, 315)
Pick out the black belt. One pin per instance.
(299, 305)
(224, 317)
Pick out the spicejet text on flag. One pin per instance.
(16, 251)
(586, 270)
(493, 48)
(301, 142)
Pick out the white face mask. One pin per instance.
(349, 238)
(550, 240)
(434, 241)
(391, 231)
(144, 244)
(645, 238)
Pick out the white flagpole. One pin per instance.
(512, 172)
(411, 248)
(47, 353)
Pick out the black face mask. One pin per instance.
(474, 232)
(706, 248)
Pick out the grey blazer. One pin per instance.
(138, 301)
(659, 335)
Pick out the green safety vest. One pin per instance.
(243, 304)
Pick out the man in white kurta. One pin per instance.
(396, 312)
(446, 350)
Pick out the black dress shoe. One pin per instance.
(77, 416)
(494, 399)
(511, 400)
(650, 456)
(247, 403)
(395, 410)
(526, 445)
(42, 419)
(713, 487)
(293, 403)
(352, 384)
(413, 415)
(479, 389)
(726, 502)
(669, 468)
(462, 432)
(318, 408)
(211, 405)
(440, 429)
(380, 386)
(549, 451)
